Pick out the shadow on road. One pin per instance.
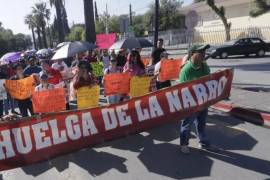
(159, 153)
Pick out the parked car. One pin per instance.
(244, 46)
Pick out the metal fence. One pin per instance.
(172, 38)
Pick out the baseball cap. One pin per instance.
(198, 48)
(43, 76)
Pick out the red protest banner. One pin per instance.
(105, 41)
(116, 83)
(33, 140)
(49, 101)
(170, 69)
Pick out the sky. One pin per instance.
(12, 12)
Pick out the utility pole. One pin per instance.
(130, 14)
(106, 23)
(156, 22)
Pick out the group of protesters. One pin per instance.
(48, 76)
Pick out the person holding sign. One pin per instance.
(134, 65)
(159, 84)
(195, 68)
(112, 69)
(84, 76)
(25, 105)
(44, 84)
(55, 76)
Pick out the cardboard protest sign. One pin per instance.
(21, 89)
(88, 97)
(169, 69)
(139, 86)
(3, 93)
(116, 83)
(97, 68)
(49, 101)
(50, 135)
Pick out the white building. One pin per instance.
(210, 28)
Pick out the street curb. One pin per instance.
(249, 115)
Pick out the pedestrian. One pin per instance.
(3, 100)
(156, 54)
(25, 105)
(113, 69)
(161, 84)
(84, 76)
(121, 58)
(32, 67)
(11, 103)
(55, 76)
(44, 83)
(134, 65)
(195, 68)
(105, 59)
(60, 65)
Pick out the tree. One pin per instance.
(58, 4)
(220, 11)
(90, 31)
(261, 7)
(29, 20)
(76, 33)
(41, 13)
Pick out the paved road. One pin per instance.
(155, 155)
(250, 72)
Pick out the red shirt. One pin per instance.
(55, 76)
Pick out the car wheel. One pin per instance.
(261, 53)
(224, 55)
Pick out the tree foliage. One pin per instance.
(261, 7)
(13, 42)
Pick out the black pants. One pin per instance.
(1, 108)
(161, 85)
(24, 106)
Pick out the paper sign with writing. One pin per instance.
(88, 97)
(3, 93)
(170, 69)
(139, 86)
(21, 89)
(116, 83)
(49, 101)
(97, 68)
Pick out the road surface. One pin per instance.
(155, 155)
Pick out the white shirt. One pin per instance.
(58, 66)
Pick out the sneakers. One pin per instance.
(208, 147)
(185, 149)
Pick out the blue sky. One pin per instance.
(12, 12)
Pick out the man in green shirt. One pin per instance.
(194, 68)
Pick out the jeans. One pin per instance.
(24, 106)
(199, 119)
(114, 99)
(161, 85)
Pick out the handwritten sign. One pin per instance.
(116, 83)
(139, 86)
(21, 89)
(97, 68)
(170, 69)
(49, 101)
(88, 97)
(3, 93)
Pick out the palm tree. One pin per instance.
(261, 7)
(58, 4)
(38, 31)
(29, 20)
(89, 21)
(42, 13)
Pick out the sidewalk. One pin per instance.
(248, 105)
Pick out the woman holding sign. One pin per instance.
(25, 105)
(134, 65)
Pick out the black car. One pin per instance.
(244, 46)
